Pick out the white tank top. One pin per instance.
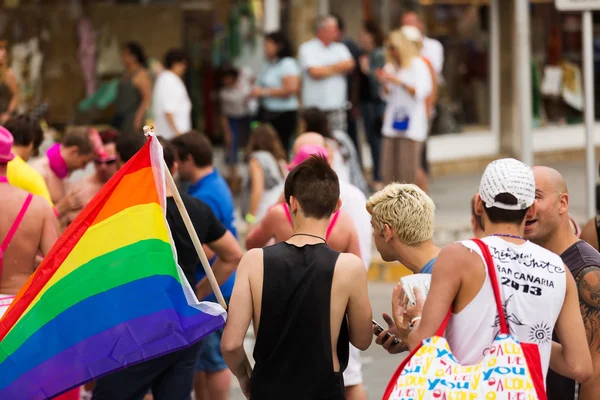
(533, 287)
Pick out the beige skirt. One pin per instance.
(400, 160)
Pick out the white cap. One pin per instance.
(412, 33)
(508, 176)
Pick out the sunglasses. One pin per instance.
(108, 161)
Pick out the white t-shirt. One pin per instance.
(354, 204)
(234, 100)
(405, 115)
(171, 96)
(533, 286)
(434, 52)
(326, 94)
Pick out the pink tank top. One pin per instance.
(329, 228)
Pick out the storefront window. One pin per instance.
(465, 84)
(557, 78)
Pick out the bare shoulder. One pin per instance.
(351, 265)
(457, 254)
(588, 286)
(251, 260)
(40, 205)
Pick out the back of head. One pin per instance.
(315, 186)
(79, 137)
(128, 145)
(374, 30)
(316, 120)
(195, 145)
(175, 56)
(308, 139)
(26, 131)
(507, 190)
(137, 51)
(406, 209)
(265, 138)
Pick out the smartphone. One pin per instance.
(380, 329)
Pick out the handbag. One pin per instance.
(510, 369)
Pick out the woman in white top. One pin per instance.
(267, 170)
(406, 84)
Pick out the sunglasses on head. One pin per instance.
(108, 161)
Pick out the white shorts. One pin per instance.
(5, 300)
(353, 373)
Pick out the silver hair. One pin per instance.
(322, 21)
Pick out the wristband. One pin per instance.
(412, 321)
(250, 218)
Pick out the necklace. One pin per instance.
(308, 234)
(509, 236)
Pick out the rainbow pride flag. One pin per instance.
(109, 294)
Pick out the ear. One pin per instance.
(388, 234)
(531, 212)
(338, 205)
(563, 203)
(479, 205)
(294, 205)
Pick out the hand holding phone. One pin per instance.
(378, 329)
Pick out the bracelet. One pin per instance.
(250, 218)
(412, 321)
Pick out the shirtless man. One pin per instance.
(551, 228)
(79, 146)
(27, 227)
(87, 188)
(309, 300)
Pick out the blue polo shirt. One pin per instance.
(213, 190)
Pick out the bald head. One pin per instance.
(550, 180)
(309, 138)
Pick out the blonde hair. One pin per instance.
(407, 50)
(406, 209)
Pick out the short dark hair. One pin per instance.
(175, 56)
(109, 136)
(477, 217)
(137, 51)
(499, 215)
(373, 29)
(315, 185)
(79, 136)
(194, 144)
(128, 145)
(229, 71)
(25, 131)
(283, 44)
(316, 121)
(168, 152)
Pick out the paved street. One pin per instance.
(378, 365)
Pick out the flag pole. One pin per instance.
(192, 232)
(197, 245)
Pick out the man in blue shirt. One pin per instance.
(402, 218)
(195, 156)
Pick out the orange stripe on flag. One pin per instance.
(134, 189)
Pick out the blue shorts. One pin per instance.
(210, 358)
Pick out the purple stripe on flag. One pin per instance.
(116, 348)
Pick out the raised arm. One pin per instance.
(228, 253)
(572, 357)
(257, 188)
(445, 283)
(144, 85)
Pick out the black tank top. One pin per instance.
(577, 258)
(293, 346)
